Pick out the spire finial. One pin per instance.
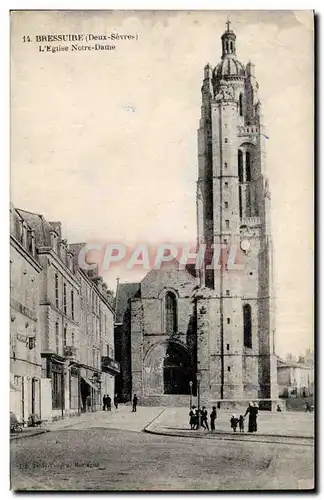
(228, 22)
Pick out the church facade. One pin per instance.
(212, 326)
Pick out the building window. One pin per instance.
(170, 313)
(241, 104)
(226, 184)
(31, 342)
(227, 346)
(225, 165)
(240, 201)
(247, 325)
(248, 166)
(57, 304)
(93, 357)
(73, 339)
(64, 336)
(18, 228)
(227, 224)
(226, 140)
(57, 340)
(228, 368)
(228, 320)
(108, 350)
(240, 165)
(227, 293)
(226, 204)
(64, 298)
(72, 304)
(24, 235)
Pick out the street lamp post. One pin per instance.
(190, 387)
(198, 394)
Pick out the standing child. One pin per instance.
(241, 423)
(234, 421)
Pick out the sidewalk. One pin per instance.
(121, 419)
(292, 425)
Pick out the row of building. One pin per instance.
(62, 358)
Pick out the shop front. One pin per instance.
(89, 390)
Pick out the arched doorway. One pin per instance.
(177, 369)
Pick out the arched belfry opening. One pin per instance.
(241, 104)
(177, 370)
(240, 165)
(248, 166)
(171, 313)
(247, 325)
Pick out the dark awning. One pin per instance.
(90, 383)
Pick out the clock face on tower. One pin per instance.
(245, 245)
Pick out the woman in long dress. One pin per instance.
(252, 410)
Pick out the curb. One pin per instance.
(229, 437)
(153, 420)
(26, 435)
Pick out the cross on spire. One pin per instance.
(228, 22)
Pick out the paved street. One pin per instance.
(92, 453)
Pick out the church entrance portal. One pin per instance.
(177, 371)
(167, 369)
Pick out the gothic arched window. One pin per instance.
(248, 166)
(240, 165)
(247, 322)
(241, 104)
(171, 323)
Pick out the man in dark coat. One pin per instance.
(116, 401)
(197, 418)
(204, 418)
(135, 400)
(213, 417)
(108, 403)
(104, 402)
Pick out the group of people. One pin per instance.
(252, 411)
(106, 402)
(199, 418)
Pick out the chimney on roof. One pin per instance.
(57, 226)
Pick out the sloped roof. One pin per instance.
(126, 291)
(281, 363)
(40, 225)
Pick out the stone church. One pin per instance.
(211, 327)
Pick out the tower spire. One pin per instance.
(228, 41)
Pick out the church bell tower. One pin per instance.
(233, 212)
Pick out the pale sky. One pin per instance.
(106, 142)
